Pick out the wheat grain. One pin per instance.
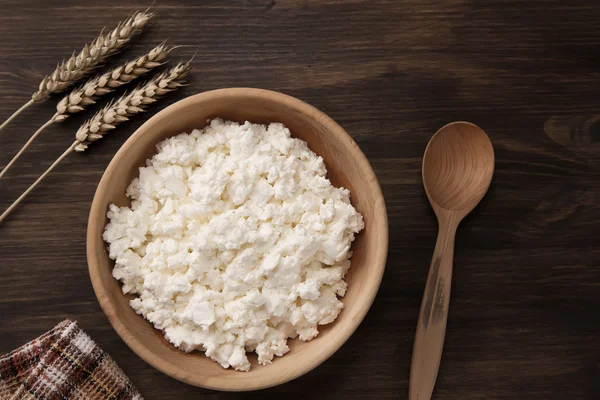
(78, 66)
(130, 104)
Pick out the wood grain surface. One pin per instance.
(524, 320)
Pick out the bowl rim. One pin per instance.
(109, 308)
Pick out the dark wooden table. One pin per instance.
(524, 320)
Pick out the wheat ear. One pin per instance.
(114, 114)
(88, 93)
(89, 58)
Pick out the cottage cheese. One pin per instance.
(234, 242)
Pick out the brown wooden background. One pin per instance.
(525, 311)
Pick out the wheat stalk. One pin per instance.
(88, 93)
(89, 58)
(115, 113)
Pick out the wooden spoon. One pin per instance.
(457, 170)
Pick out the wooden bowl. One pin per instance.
(346, 165)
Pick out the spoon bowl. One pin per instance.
(458, 166)
(457, 170)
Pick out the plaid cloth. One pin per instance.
(63, 364)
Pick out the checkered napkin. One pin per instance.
(63, 364)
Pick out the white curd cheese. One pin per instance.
(235, 241)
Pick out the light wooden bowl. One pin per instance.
(346, 165)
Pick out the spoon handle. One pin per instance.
(431, 328)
